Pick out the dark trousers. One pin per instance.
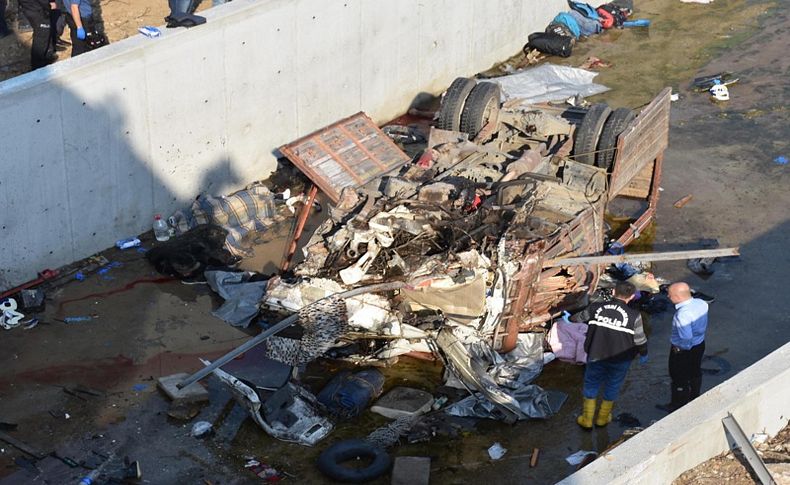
(3, 26)
(39, 20)
(685, 370)
(79, 46)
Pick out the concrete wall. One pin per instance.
(92, 147)
(758, 397)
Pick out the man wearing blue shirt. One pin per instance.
(688, 345)
(79, 17)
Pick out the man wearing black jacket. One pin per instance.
(37, 13)
(614, 336)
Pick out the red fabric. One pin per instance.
(607, 20)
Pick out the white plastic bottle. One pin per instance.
(161, 231)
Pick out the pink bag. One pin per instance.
(567, 341)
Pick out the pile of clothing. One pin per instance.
(581, 21)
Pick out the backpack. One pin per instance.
(567, 19)
(612, 15)
(550, 43)
(560, 29)
(583, 8)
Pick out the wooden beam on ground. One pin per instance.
(631, 258)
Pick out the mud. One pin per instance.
(722, 154)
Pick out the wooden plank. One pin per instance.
(631, 258)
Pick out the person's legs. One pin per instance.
(615, 376)
(4, 30)
(680, 376)
(39, 20)
(77, 46)
(594, 373)
(695, 368)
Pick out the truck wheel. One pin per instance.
(481, 107)
(587, 134)
(331, 461)
(607, 144)
(453, 104)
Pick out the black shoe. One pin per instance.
(667, 408)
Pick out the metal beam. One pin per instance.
(279, 327)
(631, 258)
(745, 446)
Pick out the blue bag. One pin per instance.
(347, 394)
(569, 21)
(585, 9)
(587, 26)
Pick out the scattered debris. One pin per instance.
(579, 457)
(201, 429)
(674, 97)
(242, 292)
(9, 316)
(496, 451)
(593, 62)
(21, 446)
(411, 470)
(347, 394)
(403, 401)
(781, 160)
(683, 201)
(719, 92)
(549, 82)
(189, 394)
(78, 319)
(263, 471)
(127, 243)
(533, 461)
(332, 461)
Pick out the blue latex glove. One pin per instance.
(81, 33)
(566, 317)
(643, 359)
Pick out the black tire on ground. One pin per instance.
(586, 138)
(482, 106)
(330, 463)
(453, 104)
(607, 142)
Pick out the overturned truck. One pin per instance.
(471, 231)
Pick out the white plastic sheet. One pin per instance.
(549, 82)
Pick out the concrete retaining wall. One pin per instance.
(758, 397)
(92, 147)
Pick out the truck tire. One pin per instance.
(453, 104)
(588, 132)
(481, 107)
(607, 143)
(330, 463)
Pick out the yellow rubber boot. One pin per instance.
(588, 411)
(604, 413)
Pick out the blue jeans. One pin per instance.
(610, 374)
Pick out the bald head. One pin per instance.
(679, 292)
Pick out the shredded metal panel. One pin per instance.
(643, 140)
(347, 153)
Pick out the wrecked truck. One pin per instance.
(470, 233)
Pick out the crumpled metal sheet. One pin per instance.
(533, 402)
(242, 298)
(549, 82)
(499, 383)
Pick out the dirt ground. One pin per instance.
(121, 19)
(722, 154)
(734, 469)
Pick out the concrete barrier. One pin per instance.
(758, 397)
(92, 147)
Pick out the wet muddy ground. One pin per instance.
(722, 154)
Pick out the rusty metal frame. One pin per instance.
(310, 152)
(642, 142)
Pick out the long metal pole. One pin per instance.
(279, 327)
(630, 258)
